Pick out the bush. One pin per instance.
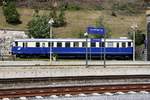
(128, 8)
(73, 7)
(10, 12)
(59, 19)
(114, 14)
(100, 23)
(99, 7)
(139, 37)
(38, 27)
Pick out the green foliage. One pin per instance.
(99, 7)
(114, 14)
(10, 12)
(80, 34)
(100, 23)
(38, 27)
(73, 7)
(139, 37)
(128, 8)
(59, 18)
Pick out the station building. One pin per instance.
(147, 6)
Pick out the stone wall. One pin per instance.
(6, 38)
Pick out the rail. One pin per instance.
(74, 90)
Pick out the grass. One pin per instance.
(77, 21)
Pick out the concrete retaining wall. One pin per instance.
(62, 71)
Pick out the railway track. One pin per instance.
(73, 90)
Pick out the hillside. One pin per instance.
(78, 20)
(88, 4)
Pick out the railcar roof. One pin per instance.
(67, 39)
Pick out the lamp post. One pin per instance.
(51, 21)
(105, 50)
(134, 27)
(86, 36)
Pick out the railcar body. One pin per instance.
(114, 48)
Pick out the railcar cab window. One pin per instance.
(25, 44)
(16, 44)
(129, 44)
(123, 44)
(93, 44)
(37, 44)
(76, 44)
(67, 44)
(59, 44)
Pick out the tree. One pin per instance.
(10, 12)
(61, 18)
(38, 27)
(139, 37)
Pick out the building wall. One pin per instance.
(148, 38)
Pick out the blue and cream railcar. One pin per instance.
(73, 47)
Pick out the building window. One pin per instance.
(59, 44)
(93, 44)
(110, 44)
(67, 44)
(37, 44)
(129, 44)
(76, 44)
(123, 44)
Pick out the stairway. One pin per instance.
(145, 55)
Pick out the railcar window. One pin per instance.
(16, 43)
(129, 44)
(59, 44)
(43, 44)
(123, 44)
(37, 44)
(25, 44)
(110, 44)
(117, 45)
(50, 43)
(76, 44)
(101, 44)
(67, 44)
(93, 44)
(83, 44)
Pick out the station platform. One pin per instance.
(70, 68)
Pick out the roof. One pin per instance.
(68, 39)
(146, 0)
